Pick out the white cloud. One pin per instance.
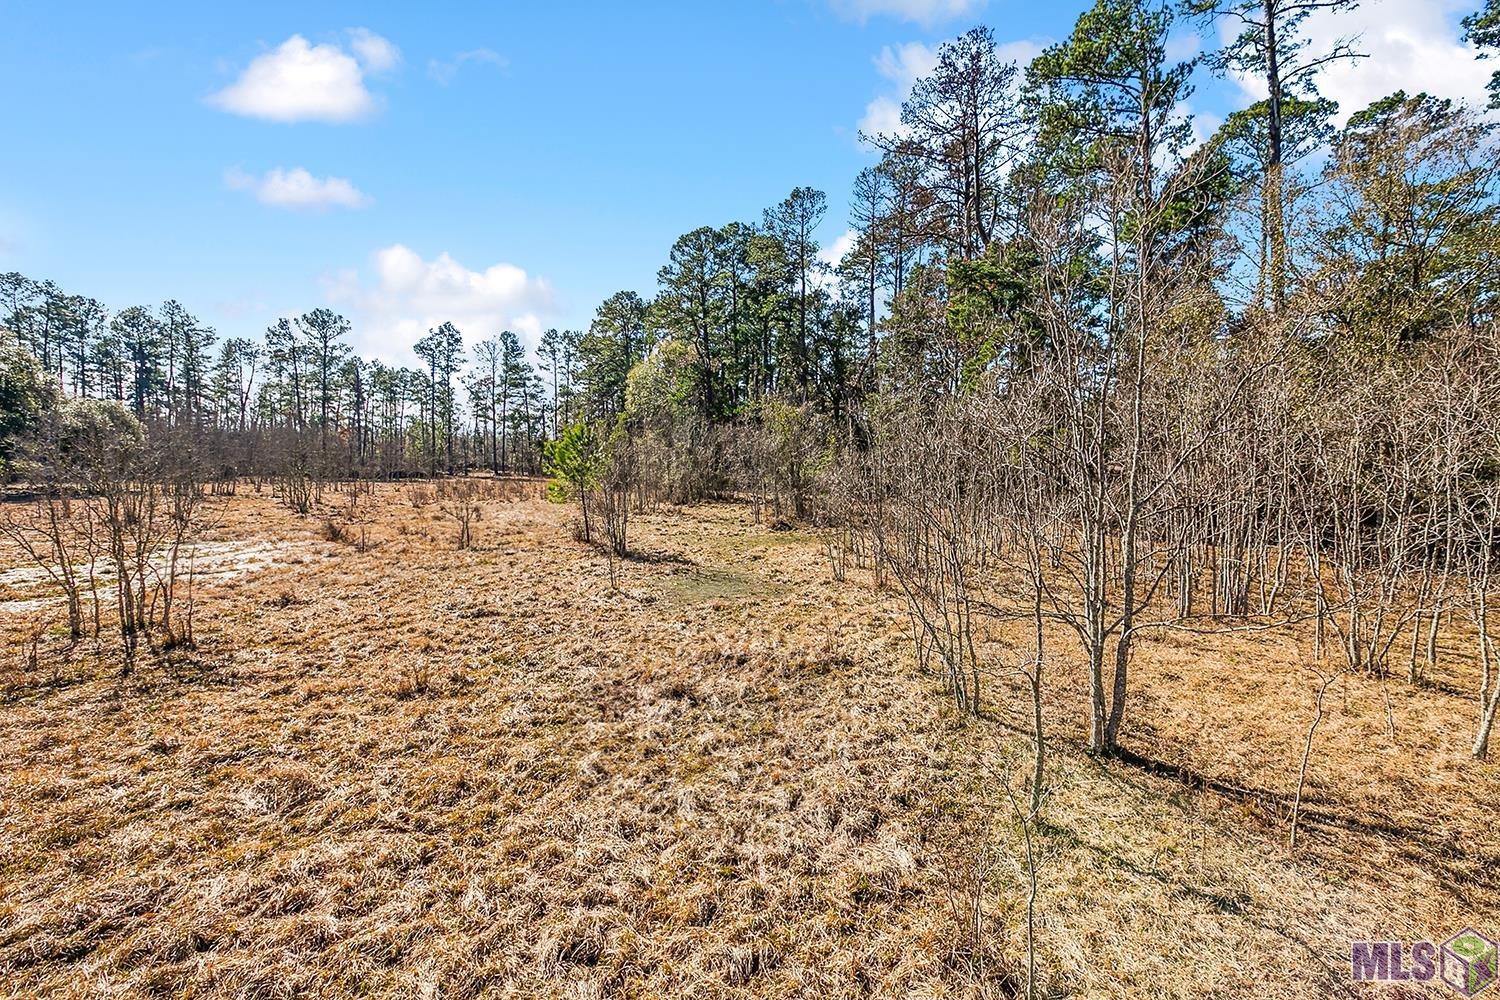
(904, 65)
(1204, 125)
(298, 81)
(927, 12)
(408, 295)
(378, 54)
(1201, 127)
(831, 256)
(882, 117)
(444, 71)
(835, 252)
(1022, 51)
(1412, 45)
(1183, 47)
(296, 188)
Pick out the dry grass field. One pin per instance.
(393, 768)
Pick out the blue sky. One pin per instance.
(496, 164)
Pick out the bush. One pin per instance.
(26, 393)
(574, 461)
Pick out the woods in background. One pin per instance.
(1164, 380)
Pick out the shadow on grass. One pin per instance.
(1471, 874)
(658, 556)
(1236, 905)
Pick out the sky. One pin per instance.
(500, 165)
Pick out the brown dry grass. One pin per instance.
(398, 769)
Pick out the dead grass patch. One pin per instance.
(417, 770)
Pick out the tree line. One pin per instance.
(1085, 368)
(1080, 367)
(744, 314)
(297, 390)
(1134, 381)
